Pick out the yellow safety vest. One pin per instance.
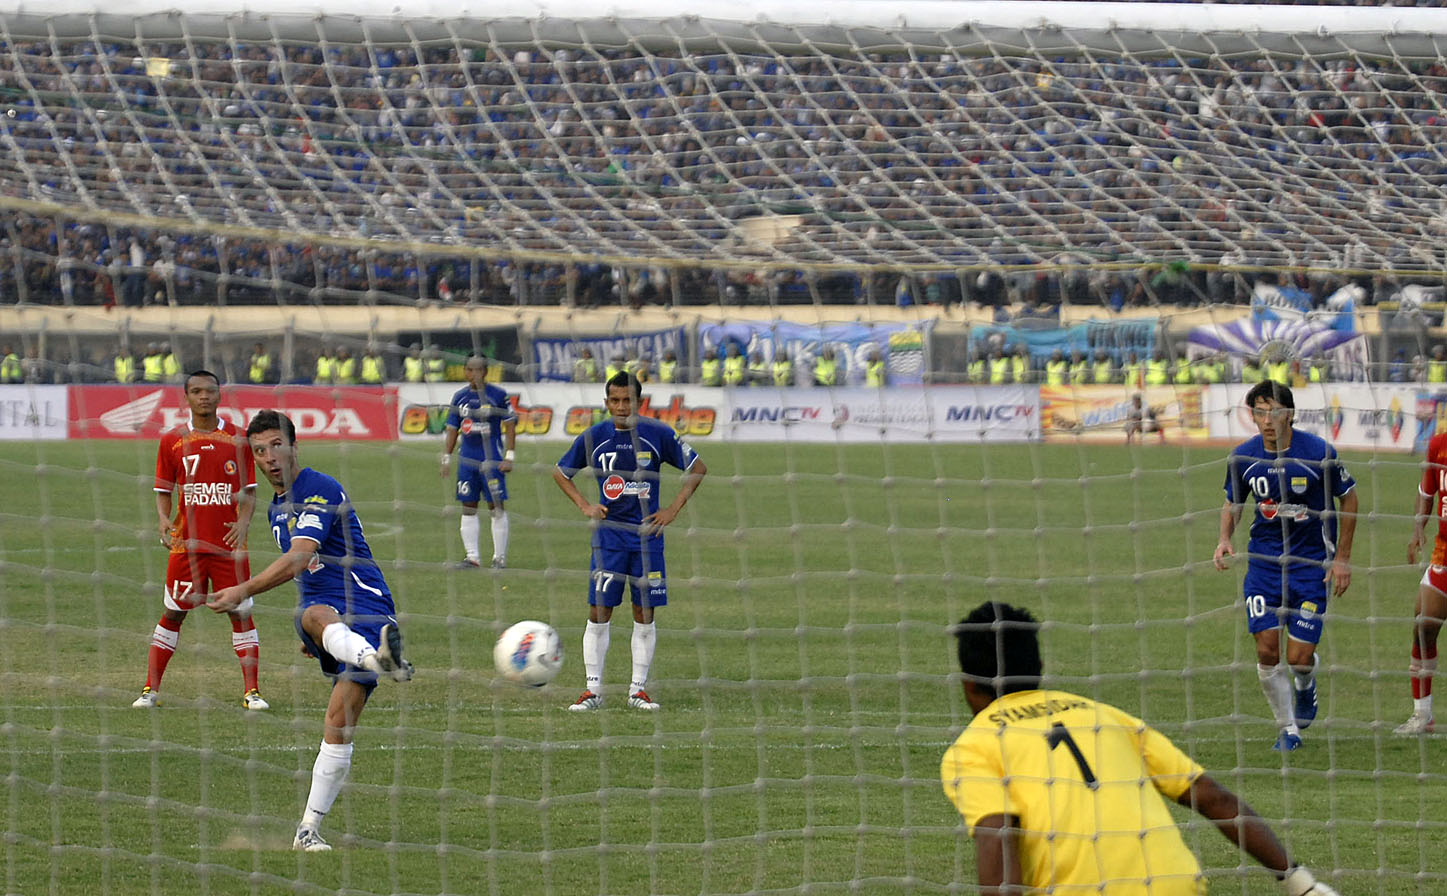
(999, 371)
(709, 372)
(758, 374)
(611, 371)
(153, 368)
(1055, 373)
(1131, 373)
(1280, 372)
(373, 370)
(125, 369)
(1158, 373)
(825, 371)
(436, 370)
(10, 369)
(412, 370)
(783, 374)
(1020, 368)
(1184, 376)
(976, 370)
(1250, 373)
(326, 369)
(1317, 374)
(260, 364)
(1103, 372)
(874, 374)
(667, 371)
(733, 370)
(1080, 373)
(170, 367)
(346, 371)
(1437, 371)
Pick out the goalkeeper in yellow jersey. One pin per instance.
(1064, 795)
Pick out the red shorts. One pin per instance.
(190, 577)
(1436, 577)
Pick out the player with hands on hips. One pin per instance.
(1300, 549)
(345, 615)
(1431, 603)
(1065, 794)
(205, 489)
(626, 454)
(482, 420)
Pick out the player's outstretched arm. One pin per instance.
(1242, 826)
(283, 569)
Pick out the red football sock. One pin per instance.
(163, 647)
(248, 649)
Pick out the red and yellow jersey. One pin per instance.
(1088, 783)
(209, 471)
(1434, 487)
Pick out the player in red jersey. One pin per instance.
(1432, 593)
(212, 470)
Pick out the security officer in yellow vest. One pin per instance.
(758, 369)
(1320, 370)
(344, 366)
(710, 370)
(10, 369)
(1205, 371)
(1158, 369)
(585, 369)
(326, 367)
(414, 369)
(616, 365)
(999, 368)
(258, 371)
(435, 367)
(153, 365)
(1103, 370)
(1020, 365)
(170, 364)
(734, 371)
(975, 368)
(826, 369)
(374, 367)
(783, 370)
(1250, 370)
(1437, 367)
(1278, 369)
(1133, 372)
(125, 366)
(643, 368)
(1079, 369)
(668, 367)
(1181, 373)
(874, 373)
(1057, 371)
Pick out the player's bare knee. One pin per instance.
(469, 510)
(317, 617)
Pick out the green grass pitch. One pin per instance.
(803, 668)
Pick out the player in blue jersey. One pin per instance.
(482, 419)
(345, 615)
(626, 455)
(1300, 548)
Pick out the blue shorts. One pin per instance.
(641, 571)
(369, 627)
(479, 480)
(1294, 597)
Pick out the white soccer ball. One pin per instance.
(528, 653)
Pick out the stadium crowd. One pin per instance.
(985, 166)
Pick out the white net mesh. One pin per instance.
(803, 665)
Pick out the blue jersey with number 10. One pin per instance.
(1295, 492)
(627, 463)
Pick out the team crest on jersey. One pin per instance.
(1309, 609)
(314, 499)
(230, 468)
(615, 487)
(1298, 485)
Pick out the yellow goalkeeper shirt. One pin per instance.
(1087, 783)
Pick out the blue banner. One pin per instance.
(1301, 339)
(1287, 303)
(900, 346)
(553, 357)
(1116, 339)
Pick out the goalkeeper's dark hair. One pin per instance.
(999, 648)
(626, 379)
(269, 419)
(1273, 391)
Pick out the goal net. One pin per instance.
(1253, 187)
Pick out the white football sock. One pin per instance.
(595, 651)
(499, 534)
(1277, 688)
(1305, 679)
(345, 645)
(645, 636)
(470, 529)
(329, 773)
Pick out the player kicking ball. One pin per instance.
(345, 614)
(1300, 549)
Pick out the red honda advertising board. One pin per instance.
(144, 411)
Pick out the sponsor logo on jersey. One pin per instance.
(314, 499)
(1270, 510)
(206, 494)
(615, 487)
(467, 426)
(309, 521)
